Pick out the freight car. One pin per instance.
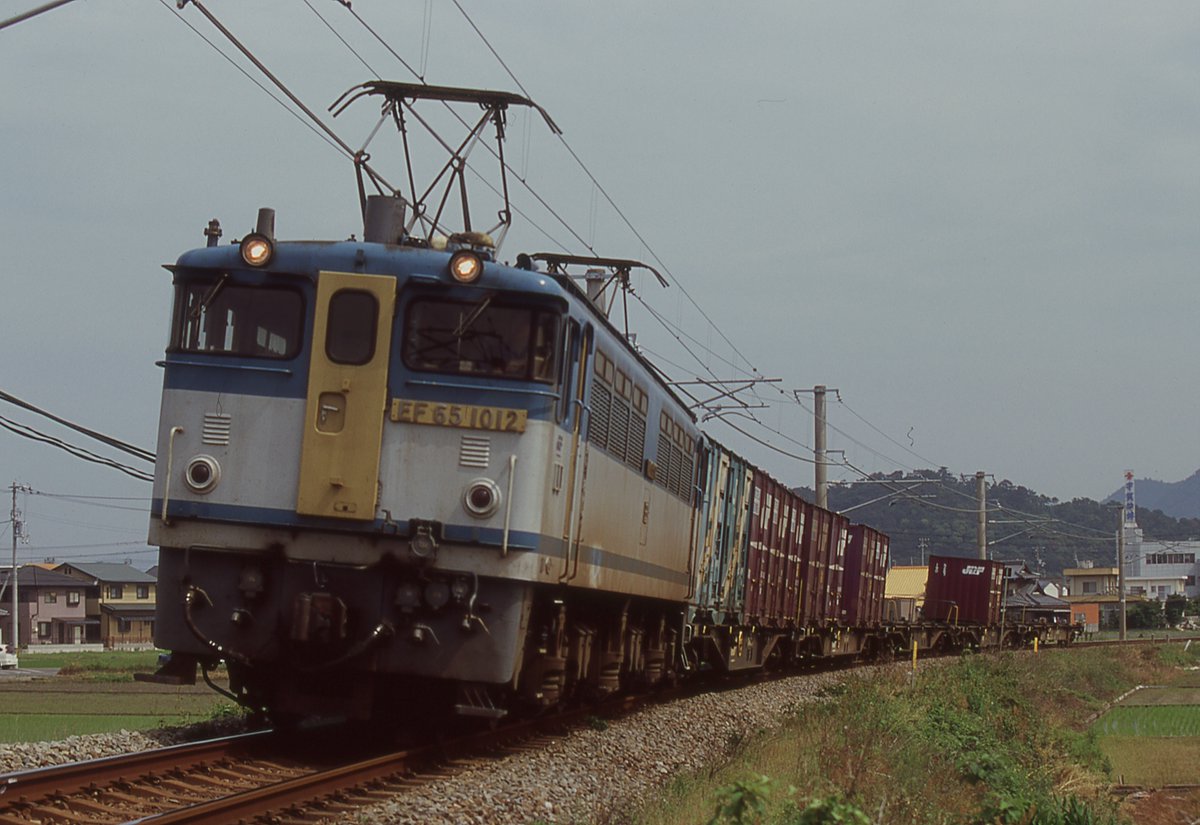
(401, 479)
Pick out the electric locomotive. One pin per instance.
(396, 475)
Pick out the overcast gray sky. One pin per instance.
(977, 221)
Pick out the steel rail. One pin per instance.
(62, 780)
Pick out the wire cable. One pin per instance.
(79, 452)
(250, 77)
(137, 452)
(20, 18)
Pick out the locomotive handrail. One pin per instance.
(167, 479)
(512, 472)
(243, 367)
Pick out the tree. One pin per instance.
(1174, 608)
(1147, 615)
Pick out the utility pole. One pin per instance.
(16, 533)
(923, 543)
(981, 527)
(821, 484)
(1121, 568)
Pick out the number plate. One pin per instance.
(465, 416)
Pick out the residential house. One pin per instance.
(1156, 586)
(122, 598)
(51, 607)
(1091, 581)
(904, 592)
(1029, 599)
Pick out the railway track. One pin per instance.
(257, 777)
(267, 776)
(132, 786)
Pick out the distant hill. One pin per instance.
(937, 515)
(1179, 499)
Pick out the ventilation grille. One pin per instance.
(217, 427)
(474, 451)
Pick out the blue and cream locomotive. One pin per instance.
(373, 476)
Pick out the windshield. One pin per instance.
(481, 338)
(217, 317)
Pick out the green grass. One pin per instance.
(38, 728)
(1152, 721)
(1155, 695)
(996, 739)
(1151, 762)
(51, 703)
(113, 660)
(96, 693)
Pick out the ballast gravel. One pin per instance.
(23, 756)
(593, 775)
(589, 775)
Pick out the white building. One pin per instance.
(1157, 569)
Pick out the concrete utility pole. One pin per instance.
(1121, 568)
(822, 486)
(16, 530)
(981, 527)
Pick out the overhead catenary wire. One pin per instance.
(612, 203)
(20, 18)
(167, 5)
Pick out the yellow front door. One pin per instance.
(347, 396)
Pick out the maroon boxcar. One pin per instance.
(772, 577)
(964, 591)
(865, 577)
(818, 552)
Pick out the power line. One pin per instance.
(26, 431)
(136, 452)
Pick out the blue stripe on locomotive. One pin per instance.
(296, 265)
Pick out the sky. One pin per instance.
(978, 222)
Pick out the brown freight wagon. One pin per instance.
(964, 590)
(835, 567)
(816, 549)
(865, 576)
(773, 575)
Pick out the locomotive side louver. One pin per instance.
(474, 451)
(217, 427)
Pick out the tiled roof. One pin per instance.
(33, 576)
(109, 572)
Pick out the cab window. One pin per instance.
(220, 318)
(481, 338)
(350, 332)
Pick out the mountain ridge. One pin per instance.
(1178, 499)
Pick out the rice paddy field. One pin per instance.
(1152, 738)
(96, 693)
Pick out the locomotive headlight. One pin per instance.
(465, 266)
(202, 473)
(482, 497)
(257, 249)
(460, 589)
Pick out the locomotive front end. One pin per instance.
(353, 443)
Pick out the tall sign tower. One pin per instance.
(1130, 519)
